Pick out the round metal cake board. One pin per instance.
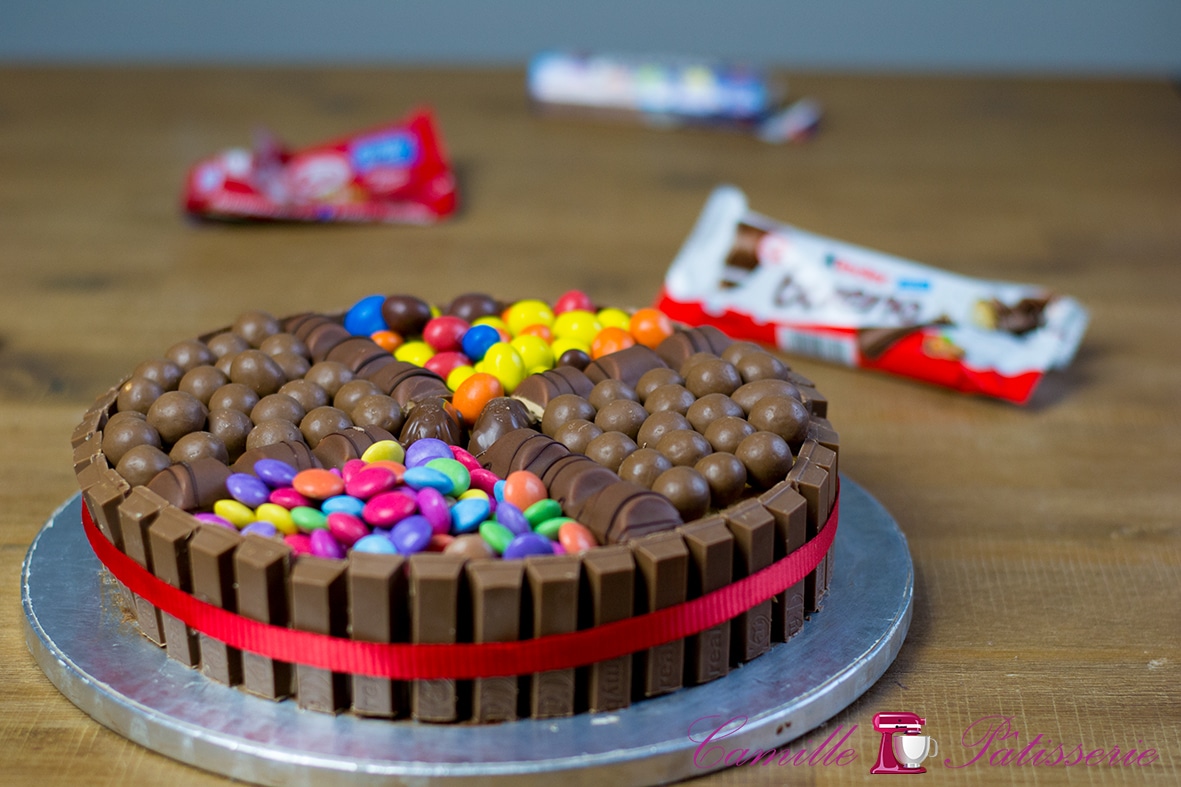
(80, 637)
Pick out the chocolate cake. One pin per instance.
(660, 464)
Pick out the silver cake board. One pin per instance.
(79, 635)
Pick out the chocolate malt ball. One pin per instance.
(162, 370)
(643, 466)
(120, 435)
(353, 391)
(608, 391)
(739, 350)
(196, 445)
(378, 410)
(727, 432)
(761, 366)
(175, 414)
(141, 463)
(767, 458)
(563, 408)
(783, 415)
(329, 375)
(281, 343)
(190, 353)
(710, 408)
(233, 396)
(321, 422)
(271, 432)
(576, 434)
(686, 489)
(610, 449)
(684, 447)
(225, 363)
(654, 378)
(256, 326)
(306, 393)
(227, 343)
(671, 397)
(712, 375)
(726, 476)
(277, 406)
(575, 358)
(137, 395)
(750, 393)
(231, 427)
(657, 425)
(622, 415)
(202, 381)
(257, 371)
(294, 366)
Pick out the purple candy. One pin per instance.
(412, 534)
(434, 507)
(274, 472)
(324, 545)
(370, 481)
(247, 489)
(388, 508)
(558, 548)
(260, 528)
(346, 528)
(528, 544)
(213, 519)
(511, 517)
(288, 498)
(425, 449)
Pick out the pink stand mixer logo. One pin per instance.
(903, 747)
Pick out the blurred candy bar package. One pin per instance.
(395, 173)
(765, 281)
(668, 92)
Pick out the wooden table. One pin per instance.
(1046, 539)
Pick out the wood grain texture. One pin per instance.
(1046, 539)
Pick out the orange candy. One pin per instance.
(650, 327)
(387, 340)
(398, 469)
(474, 393)
(575, 538)
(523, 488)
(610, 340)
(317, 483)
(539, 330)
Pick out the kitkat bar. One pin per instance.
(396, 173)
(607, 595)
(790, 512)
(436, 582)
(495, 588)
(753, 528)
(759, 279)
(662, 575)
(168, 543)
(103, 491)
(552, 587)
(211, 567)
(711, 567)
(136, 514)
(261, 569)
(815, 485)
(377, 592)
(319, 605)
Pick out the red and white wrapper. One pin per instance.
(395, 173)
(762, 280)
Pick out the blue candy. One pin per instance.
(412, 534)
(346, 503)
(274, 472)
(375, 542)
(477, 340)
(421, 477)
(247, 489)
(365, 316)
(529, 544)
(498, 490)
(466, 515)
(511, 517)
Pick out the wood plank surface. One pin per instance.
(1046, 539)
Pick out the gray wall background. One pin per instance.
(1068, 37)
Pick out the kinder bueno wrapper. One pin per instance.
(762, 280)
(394, 173)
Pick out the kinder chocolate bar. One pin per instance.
(394, 173)
(668, 92)
(762, 280)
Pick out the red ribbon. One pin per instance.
(465, 660)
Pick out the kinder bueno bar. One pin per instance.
(668, 92)
(762, 280)
(394, 173)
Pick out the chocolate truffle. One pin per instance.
(643, 465)
(329, 375)
(270, 432)
(500, 416)
(767, 458)
(686, 489)
(233, 396)
(190, 353)
(563, 408)
(122, 434)
(141, 463)
(137, 395)
(610, 449)
(654, 378)
(306, 393)
(727, 432)
(202, 382)
(783, 415)
(232, 427)
(669, 397)
(657, 425)
(712, 375)
(574, 358)
(474, 305)
(432, 417)
(175, 414)
(406, 314)
(622, 415)
(277, 406)
(257, 371)
(162, 370)
(610, 390)
(684, 447)
(726, 476)
(752, 392)
(321, 422)
(378, 410)
(256, 326)
(227, 343)
(576, 434)
(710, 408)
(195, 445)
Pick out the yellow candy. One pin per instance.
(457, 375)
(278, 516)
(576, 324)
(435, 311)
(495, 322)
(237, 514)
(474, 493)
(504, 363)
(561, 345)
(522, 314)
(417, 353)
(614, 318)
(384, 450)
(535, 352)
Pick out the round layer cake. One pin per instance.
(481, 472)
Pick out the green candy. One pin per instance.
(541, 511)
(461, 479)
(550, 527)
(496, 536)
(307, 518)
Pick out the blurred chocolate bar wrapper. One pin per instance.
(669, 92)
(759, 279)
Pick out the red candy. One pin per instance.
(300, 543)
(574, 300)
(445, 363)
(445, 333)
(317, 483)
(523, 489)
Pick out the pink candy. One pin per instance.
(346, 528)
(370, 481)
(484, 480)
(388, 509)
(288, 498)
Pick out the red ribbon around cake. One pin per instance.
(404, 661)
